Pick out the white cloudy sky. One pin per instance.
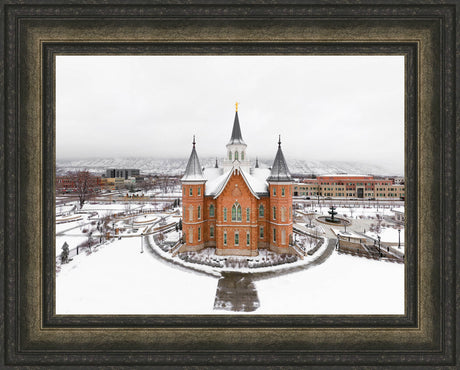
(347, 108)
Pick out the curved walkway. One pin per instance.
(318, 261)
(255, 275)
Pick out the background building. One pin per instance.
(121, 172)
(350, 186)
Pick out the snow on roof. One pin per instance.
(211, 173)
(215, 184)
(256, 182)
(260, 176)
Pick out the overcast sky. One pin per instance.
(347, 108)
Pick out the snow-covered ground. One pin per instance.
(118, 279)
(388, 235)
(341, 285)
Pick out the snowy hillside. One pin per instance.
(177, 166)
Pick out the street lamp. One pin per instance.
(142, 242)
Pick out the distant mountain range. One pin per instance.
(177, 166)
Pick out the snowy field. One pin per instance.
(115, 278)
(118, 279)
(341, 285)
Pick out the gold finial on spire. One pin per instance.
(236, 106)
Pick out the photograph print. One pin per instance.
(230, 185)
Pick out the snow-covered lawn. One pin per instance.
(341, 285)
(388, 234)
(118, 279)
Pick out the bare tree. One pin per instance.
(310, 217)
(378, 227)
(85, 185)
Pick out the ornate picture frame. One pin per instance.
(35, 33)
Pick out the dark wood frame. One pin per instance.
(35, 33)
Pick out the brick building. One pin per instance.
(350, 186)
(238, 208)
(66, 184)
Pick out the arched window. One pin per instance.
(211, 210)
(261, 211)
(211, 231)
(190, 235)
(242, 156)
(283, 214)
(236, 212)
(225, 214)
(236, 156)
(283, 236)
(230, 155)
(199, 234)
(274, 213)
(199, 212)
(237, 238)
(190, 213)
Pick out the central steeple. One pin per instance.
(236, 147)
(236, 137)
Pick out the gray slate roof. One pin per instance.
(236, 138)
(193, 170)
(280, 171)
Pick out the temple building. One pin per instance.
(237, 208)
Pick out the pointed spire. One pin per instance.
(257, 162)
(236, 137)
(279, 171)
(216, 166)
(193, 170)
